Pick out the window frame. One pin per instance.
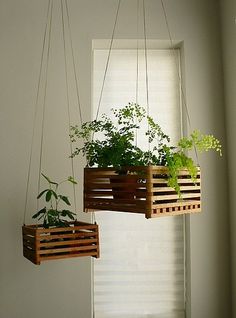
(123, 44)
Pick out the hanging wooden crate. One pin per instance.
(141, 190)
(79, 239)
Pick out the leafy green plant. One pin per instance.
(111, 143)
(50, 214)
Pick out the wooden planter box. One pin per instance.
(142, 190)
(80, 239)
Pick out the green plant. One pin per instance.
(51, 214)
(111, 143)
(177, 159)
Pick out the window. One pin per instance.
(141, 270)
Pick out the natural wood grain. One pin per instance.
(79, 239)
(142, 190)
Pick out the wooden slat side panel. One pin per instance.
(162, 180)
(68, 243)
(138, 191)
(176, 204)
(115, 207)
(80, 239)
(72, 236)
(175, 197)
(173, 213)
(64, 250)
(82, 254)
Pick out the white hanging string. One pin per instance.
(68, 101)
(73, 61)
(137, 69)
(184, 103)
(184, 99)
(44, 100)
(146, 71)
(146, 57)
(97, 114)
(36, 110)
(137, 55)
(105, 74)
(108, 59)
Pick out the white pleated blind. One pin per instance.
(141, 270)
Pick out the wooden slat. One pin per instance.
(55, 257)
(117, 208)
(165, 170)
(30, 256)
(183, 188)
(75, 242)
(109, 169)
(115, 201)
(28, 230)
(28, 238)
(175, 213)
(180, 181)
(29, 246)
(93, 194)
(67, 236)
(175, 196)
(66, 229)
(67, 249)
(175, 204)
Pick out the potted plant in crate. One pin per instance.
(166, 179)
(60, 235)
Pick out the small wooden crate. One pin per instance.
(79, 239)
(142, 190)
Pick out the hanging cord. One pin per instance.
(137, 70)
(93, 288)
(44, 101)
(73, 60)
(146, 71)
(74, 70)
(97, 113)
(36, 112)
(137, 55)
(105, 74)
(184, 100)
(108, 59)
(68, 101)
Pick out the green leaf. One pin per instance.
(54, 194)
(63, 223)
(65, 199)
(48, 195)
(42, 211)
(53, 212)
(52, 221)
(72, 180)
(48, 180)
(68, 213)
(71, 215)
(41, 217)
(40, 194)
(45, 224)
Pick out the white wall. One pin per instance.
(228, 10)
(62, 288)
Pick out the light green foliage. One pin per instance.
(176, 161)
(201, 142)
(50, 214)
(117, 147)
